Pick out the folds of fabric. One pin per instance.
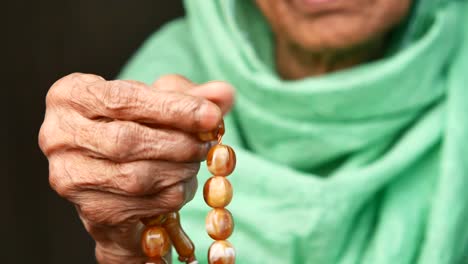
(366, 165)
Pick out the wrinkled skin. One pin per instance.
(122, 150)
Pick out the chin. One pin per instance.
(320, 25)
(332, 32)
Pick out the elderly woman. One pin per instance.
(350, 125)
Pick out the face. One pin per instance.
(321, 25)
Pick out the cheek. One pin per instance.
(359, 23)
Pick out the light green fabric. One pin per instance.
(366, 165)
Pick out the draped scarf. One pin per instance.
(363, 165)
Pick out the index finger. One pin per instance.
(133, 101)
(218, 92)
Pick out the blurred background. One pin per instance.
(45, 41)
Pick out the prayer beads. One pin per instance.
(217, 193)
(162, 230)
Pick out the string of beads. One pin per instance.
(162, 230)
(217, 193)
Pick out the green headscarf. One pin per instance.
(365, 165)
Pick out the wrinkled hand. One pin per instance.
(122, 150)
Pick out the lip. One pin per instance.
(313, 7)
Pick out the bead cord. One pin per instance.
(163, 230)
(220, 132)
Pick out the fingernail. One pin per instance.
(208, 116)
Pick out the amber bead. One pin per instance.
(219, 224)
(212, 135)
(221, 160)
(155, 241)
(221, 252)
(217, 192)
(208, 136)
(181, 242)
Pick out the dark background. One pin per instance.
(47, 40)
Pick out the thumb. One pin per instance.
(220, 93)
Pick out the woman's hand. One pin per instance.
(122, 150)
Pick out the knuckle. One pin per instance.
(130, 179)
(58, 91)
(118, 96)
(69, 88)
(175, 196)
(53, 96)
(167, 104)
(52, 136)
(43, 137)
(120, 139)
(56, 133)
(59, 179)
(183, 109)
(193, 105)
